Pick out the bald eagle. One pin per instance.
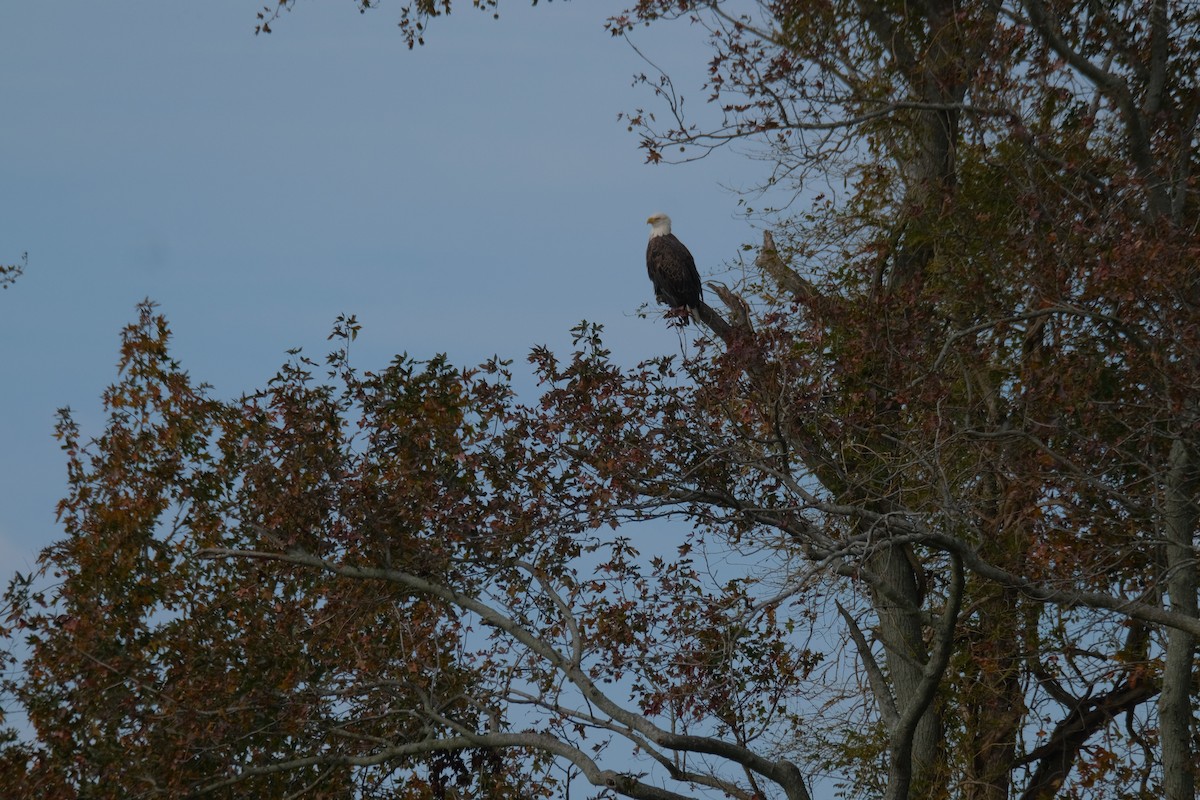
(672, 269)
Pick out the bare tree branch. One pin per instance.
(1058, 755)
(879, 686)
(781, 771)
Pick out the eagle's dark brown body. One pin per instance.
(672, 269)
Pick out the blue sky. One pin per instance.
(474, 196)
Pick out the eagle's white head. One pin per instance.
(660, 224)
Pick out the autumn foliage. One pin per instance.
(915, 518)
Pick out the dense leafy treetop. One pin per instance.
(946, 433)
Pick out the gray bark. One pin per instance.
(1175, 702)
(897, 602)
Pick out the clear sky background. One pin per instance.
(475, 196)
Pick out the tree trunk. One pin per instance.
(993, 702)
(897, 601)
(1175, 703)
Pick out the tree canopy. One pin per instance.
(936, 460)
